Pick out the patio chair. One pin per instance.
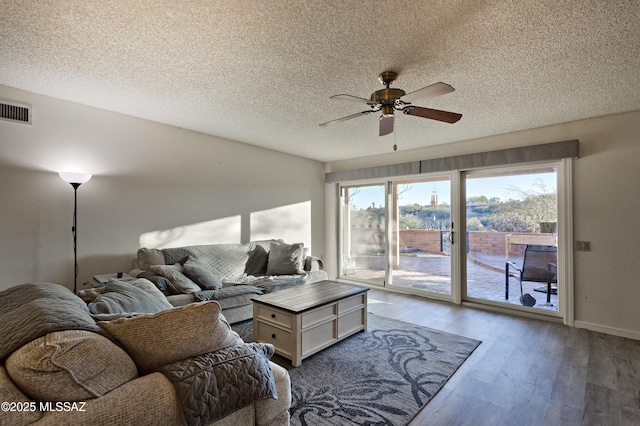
(539, 265)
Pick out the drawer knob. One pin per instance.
(273, 336)
(273, 315)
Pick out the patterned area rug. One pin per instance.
(381, 377)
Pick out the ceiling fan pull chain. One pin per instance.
(395, 136)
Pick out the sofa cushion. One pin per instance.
(70, 365)
(200, 275)
(285, 259)
(147, 257)
(227, 297)
(135, 296)
(171, 335)
(9, 392)
(175, 274)
(225, 261)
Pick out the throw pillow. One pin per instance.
(89, 294)
(285, 259)
(147, 257)
(200, 275)
(121, 297)
(169, 336)
(149, 288)
(70, 365)
(175, 274)
(257, 262)
(163, 284)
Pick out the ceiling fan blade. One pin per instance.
(351, 98)
(433, 114)
(348, 117)
(436, 89)
(386, 124)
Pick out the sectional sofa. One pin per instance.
(231, 274)
(166, 366)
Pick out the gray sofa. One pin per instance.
(169, 366)
(230, 274)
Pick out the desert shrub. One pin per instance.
(513, 221)
(474, 224)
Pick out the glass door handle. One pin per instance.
(451, 237)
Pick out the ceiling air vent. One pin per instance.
(15, 113)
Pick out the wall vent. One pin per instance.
(15, 113)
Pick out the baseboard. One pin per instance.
(620, 332)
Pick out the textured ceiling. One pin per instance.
(261, 72)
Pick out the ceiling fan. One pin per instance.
(387, 100)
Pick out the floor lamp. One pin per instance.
(75, 179)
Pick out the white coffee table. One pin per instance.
(303, 320)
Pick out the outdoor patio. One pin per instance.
(431, 272)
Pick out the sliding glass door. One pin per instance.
(421, 247)
(405, 234)
(512, 237)
(398, 234)
(363, 233)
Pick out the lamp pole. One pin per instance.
(75, 236)
(75, 179)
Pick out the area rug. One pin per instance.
(381, 377)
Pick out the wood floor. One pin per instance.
(525, 371)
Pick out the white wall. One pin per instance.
(606, 207)
(147, 178)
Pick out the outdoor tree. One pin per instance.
(409, 221)
(536, 205)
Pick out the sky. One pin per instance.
(420, 193)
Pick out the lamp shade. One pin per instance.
(78, 178)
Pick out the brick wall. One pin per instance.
(495, 243)
(486, 242)
(479, 242)
(422, 239)
(429, 240)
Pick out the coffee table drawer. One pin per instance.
(318, 337)
(279, 338)
(274, 316)
(318, 315)
(351, 322)
(351, 303)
